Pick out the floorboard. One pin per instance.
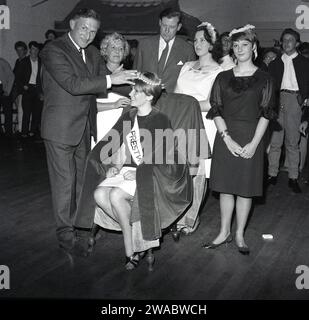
(39, 269)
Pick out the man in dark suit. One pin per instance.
(72, 75)
(28, 82)
(291, 77)
(166, 53)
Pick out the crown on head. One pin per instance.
(143, 78)
(211, 30)
(246, 28)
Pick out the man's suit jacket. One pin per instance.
(301, 67)
(70, 87)
(146, 59)
(23, 74)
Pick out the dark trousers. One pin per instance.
(66, 166)
(32, 106)
(305, 171)
(7, 107)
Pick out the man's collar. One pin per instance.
(75, 44)
(170, 43)
(292, 56)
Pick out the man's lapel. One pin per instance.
(89, 61)
(74, 52)
(172, 58)
(154, 50)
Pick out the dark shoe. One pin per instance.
(132, 261)
(175, 233)
(211, 245)
(293, 184)
(80, 249)
(188, 231)
(66, 245)
(93, 237)
(271, 180)
(66, 239)
(243, 249)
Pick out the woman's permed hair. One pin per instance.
(112, 38)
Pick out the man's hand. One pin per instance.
(306, 103)
(120, 76)
(303, 127)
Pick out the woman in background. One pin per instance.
(225, 45)
(196, 79)
(114, 49)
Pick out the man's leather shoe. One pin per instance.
(80, 248)
(66, 240)
(67, 244)
(271, 180)
(293, 184)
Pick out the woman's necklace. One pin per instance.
(206, 67)
(245, 73)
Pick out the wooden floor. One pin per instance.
(39, 269)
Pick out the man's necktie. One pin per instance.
(80, 50)
(161, 63)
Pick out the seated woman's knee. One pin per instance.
(101, 195)
(117, 195)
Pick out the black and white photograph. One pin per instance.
(154, 158)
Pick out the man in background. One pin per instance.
(166, 53)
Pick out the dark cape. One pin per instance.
(164, 191)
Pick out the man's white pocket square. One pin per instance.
(180, 63)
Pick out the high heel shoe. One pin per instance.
(243, 249)
(132, 261)
(212, 245)
(150, 258)
(175, 233)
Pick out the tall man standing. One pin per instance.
(291, 74)
(166, 53)
(72, 75)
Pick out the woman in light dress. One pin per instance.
(196, 79)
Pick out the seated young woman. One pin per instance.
(145, 189)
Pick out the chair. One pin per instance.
(184, 113)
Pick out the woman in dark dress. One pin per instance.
(242, 104)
